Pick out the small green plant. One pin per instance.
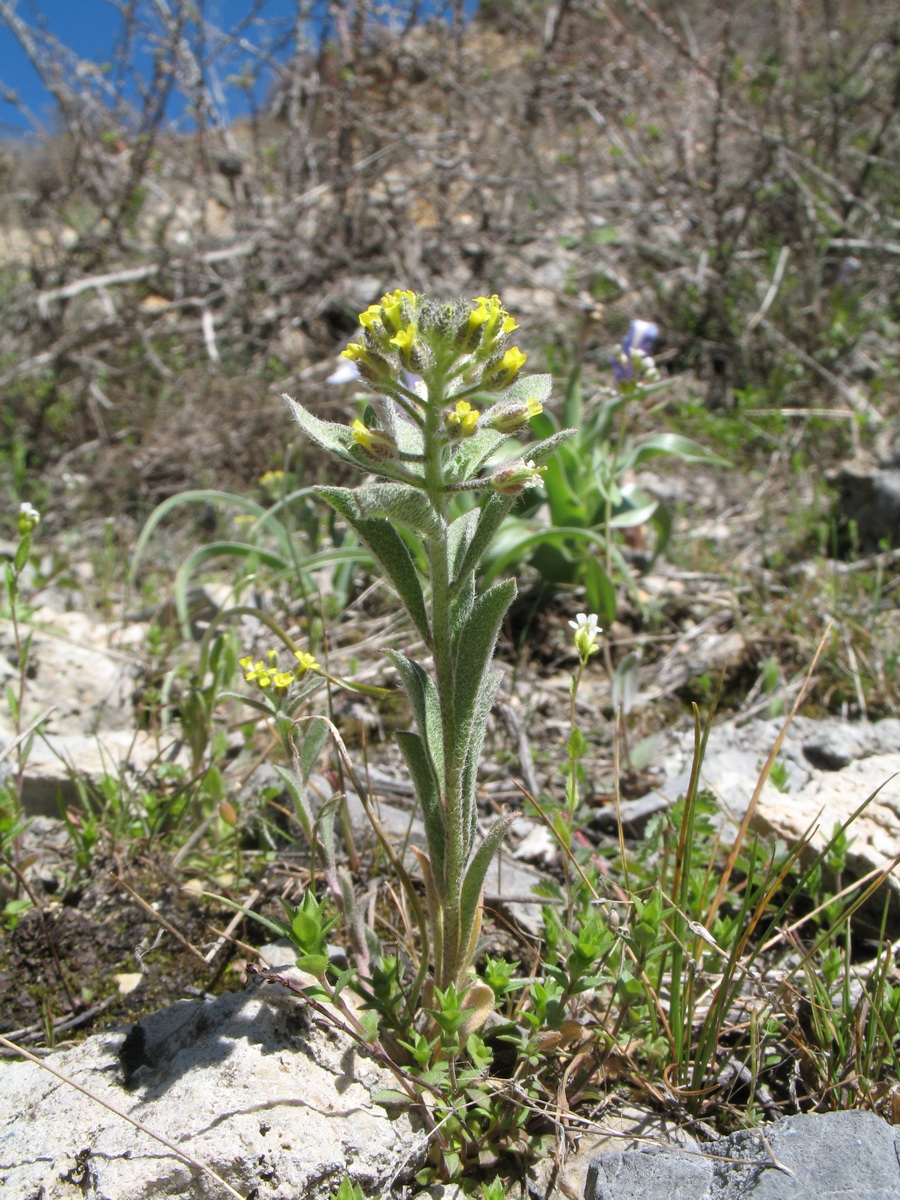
(279, 535)
(428, 442)
(348, 1191)
(588, 487)
(11, 816)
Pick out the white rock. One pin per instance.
(56, 762)
(829, 799)
(247, 1084)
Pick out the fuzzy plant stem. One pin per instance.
(449, 887)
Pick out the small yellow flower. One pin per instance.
(271, 480)
(490, 313)
(305, 662)
(256, 672)
(461, 421)
(505, 371)
(392, 308)
(403, 340)
(355, 352)
(371, 317)
(283, 680)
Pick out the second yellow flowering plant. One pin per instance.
(447, 392)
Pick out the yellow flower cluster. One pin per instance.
(267, 674)
(271, 480)
(487, 314)
(406, 332)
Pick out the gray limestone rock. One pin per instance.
(823, 1156)
(869, 497)
(249, 1084)
(828, 769)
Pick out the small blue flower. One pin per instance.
(635, 351)
(345, 372)
(641, 336)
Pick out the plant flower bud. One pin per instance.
(515, 476)
(404, 341)
(375, 443)
(500, 374)
(29, 519)
(513, 415)
(371, 367)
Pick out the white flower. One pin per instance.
(29, 518)
(587, 632)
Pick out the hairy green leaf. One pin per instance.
(422, 693)
(421, 770)
(387, 546)
(331, 436)
(483, 703)
(473, 881)
(459, 537)
(474, 646)
(489, 519)
(398, 502)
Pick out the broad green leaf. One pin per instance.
(461, 608)
(528, 387)
(541, 451)
(421, 770)
(630, 517)
(572, 405)
(490, 516)
(314, 738)
(601, 592)
(483, 703)
(328, 434)
(472, 453)
(473, 649)
(387, 546)
(302, 806)
(459, 537)
(390, 1096)
(398, 502)
(673, 443)
(473, 881)
(20, 558)
(567, 507)
(409, 439)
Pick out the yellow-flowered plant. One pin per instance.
(447, 394)
(268, 674)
